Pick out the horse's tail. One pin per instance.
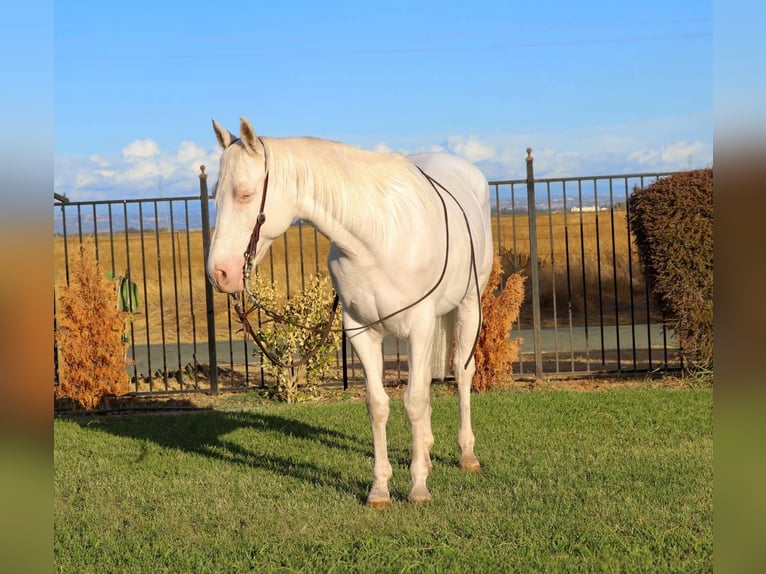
(444, 333)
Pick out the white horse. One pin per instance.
(398, 239)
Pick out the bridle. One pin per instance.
(326, 329)
(240, 306)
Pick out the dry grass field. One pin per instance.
(169, 269)
(578, 252)
(588, 266)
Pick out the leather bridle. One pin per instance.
(240, 305)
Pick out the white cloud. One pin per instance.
(600, 150)
(428, 148)
(645, 156)
(471, 148)
(99, 161)
(677, 155)
(140, 149)
(141, 169)
(681, 151)
(190, 152)
(84, 179)
(145, 173)
(143, 166)
(381, 148)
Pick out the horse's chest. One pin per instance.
(367, 294)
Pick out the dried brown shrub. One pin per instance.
(495, 350)
(89, 337)
(673, 222)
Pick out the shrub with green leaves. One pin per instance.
(673, 224)
(299, 333)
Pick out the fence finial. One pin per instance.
(202, 168)
(529, 154)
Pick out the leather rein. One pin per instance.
(325, 330)
(241, 304)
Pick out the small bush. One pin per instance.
(673, 223)
(495, 350)
(90, 337)
(304, 314)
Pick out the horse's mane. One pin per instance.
(367, 191)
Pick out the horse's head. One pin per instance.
(238, 198)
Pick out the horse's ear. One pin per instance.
(248, 137)
(224, 136)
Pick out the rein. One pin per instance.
(324, 333)
(247, 267)
(474, 271)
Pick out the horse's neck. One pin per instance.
(343, 205)
(349, 239)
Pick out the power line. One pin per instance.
(393, 51)
(391, 34)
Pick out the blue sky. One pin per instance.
(593, 88)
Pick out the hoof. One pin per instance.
(469, 463)
(379, 502)
(419, 496)
(378, 498)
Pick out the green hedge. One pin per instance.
(672, 220)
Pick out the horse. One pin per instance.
(410, 254)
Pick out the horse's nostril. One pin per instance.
(218, 278)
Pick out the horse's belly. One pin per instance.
(366, 295)
(369, 295)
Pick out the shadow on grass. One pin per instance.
(206, 432)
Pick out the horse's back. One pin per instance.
(456, 174)
(470, 188)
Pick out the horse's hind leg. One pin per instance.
(368, 346)
(468, 319)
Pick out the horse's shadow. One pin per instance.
(206, 433)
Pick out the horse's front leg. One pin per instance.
(368, 346)
(417, 403)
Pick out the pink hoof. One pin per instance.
(378, 498)
(419, 495)
(379, 503)
(469, 463)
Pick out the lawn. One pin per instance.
(617, 480)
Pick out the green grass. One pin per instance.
(572, 481)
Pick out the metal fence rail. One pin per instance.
(596, 309)
(588, 308)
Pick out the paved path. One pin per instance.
(579, 340)
(576, 341)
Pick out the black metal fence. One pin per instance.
(588, 307)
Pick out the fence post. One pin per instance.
(344, 355)
(532, 212)
(209, 304)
